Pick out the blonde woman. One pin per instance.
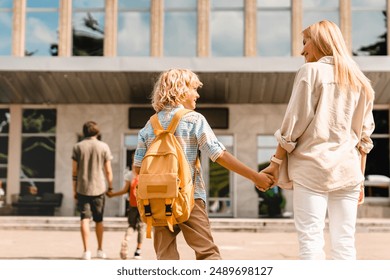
(175, 89)
(325, 137)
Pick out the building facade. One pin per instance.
(64, 62)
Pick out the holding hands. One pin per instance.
(272, 171)
(109, 193)
(264, 181)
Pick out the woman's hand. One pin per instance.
(361, 195)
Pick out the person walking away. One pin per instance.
(91, 166)
(323, 141)
(174, 90)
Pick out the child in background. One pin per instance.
(134, 220)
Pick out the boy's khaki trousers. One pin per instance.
(196, 232)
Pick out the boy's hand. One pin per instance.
(264, 181)
(109, 193)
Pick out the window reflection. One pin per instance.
(227, 28)
(88, 28)
(180, 41)
(89, 4)
(317, 10)
(39, 121)
(5, 27)
(134, 28)
(43, 3)
(34, 148)
(4, 129)
(38, 149)
(41, 33)
(218, 181)
(275, 16)
(369, 27)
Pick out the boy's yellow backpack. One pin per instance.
(165, 194)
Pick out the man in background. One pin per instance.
(91, 167)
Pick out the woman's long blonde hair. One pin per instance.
(327, 38)
(171, 88)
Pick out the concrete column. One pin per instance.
(156, 28)
(65, 28)
(296, 27)
(111, 28)
(250, 28)
(203, 28)
(346, 22)
(19, 28)
(14, 151)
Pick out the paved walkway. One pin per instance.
(238, 245)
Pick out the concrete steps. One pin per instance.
(217, 224)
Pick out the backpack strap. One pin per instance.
(176, 119)
(149, 219)
(157, 127)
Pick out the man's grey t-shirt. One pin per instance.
(90, 155)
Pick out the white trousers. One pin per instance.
(310, 209)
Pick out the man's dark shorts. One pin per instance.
(91, 206)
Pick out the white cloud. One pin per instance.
(180, 41)
(133, 35)
(88, 3)
(227, 33)
(38, 32)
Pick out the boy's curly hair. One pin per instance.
(172, 86)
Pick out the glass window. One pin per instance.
(133, 28)
(38, 142)
(378, 159)
(88, 28)
(89, 3)
(274, 16)
(5, 120)
(180, 41)
(219, 181)
(139, 4)
(273, 201)
(42, 3)
(317, 10)
(131, 141)
(5, 27)
(227, 28)
(41, 28)
(369, 27)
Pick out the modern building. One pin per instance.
(64, 62)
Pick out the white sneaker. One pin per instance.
(124, 250)
(86, 255)
(101, 255)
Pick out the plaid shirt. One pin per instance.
(193, 133)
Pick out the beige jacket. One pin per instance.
(323, 129)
